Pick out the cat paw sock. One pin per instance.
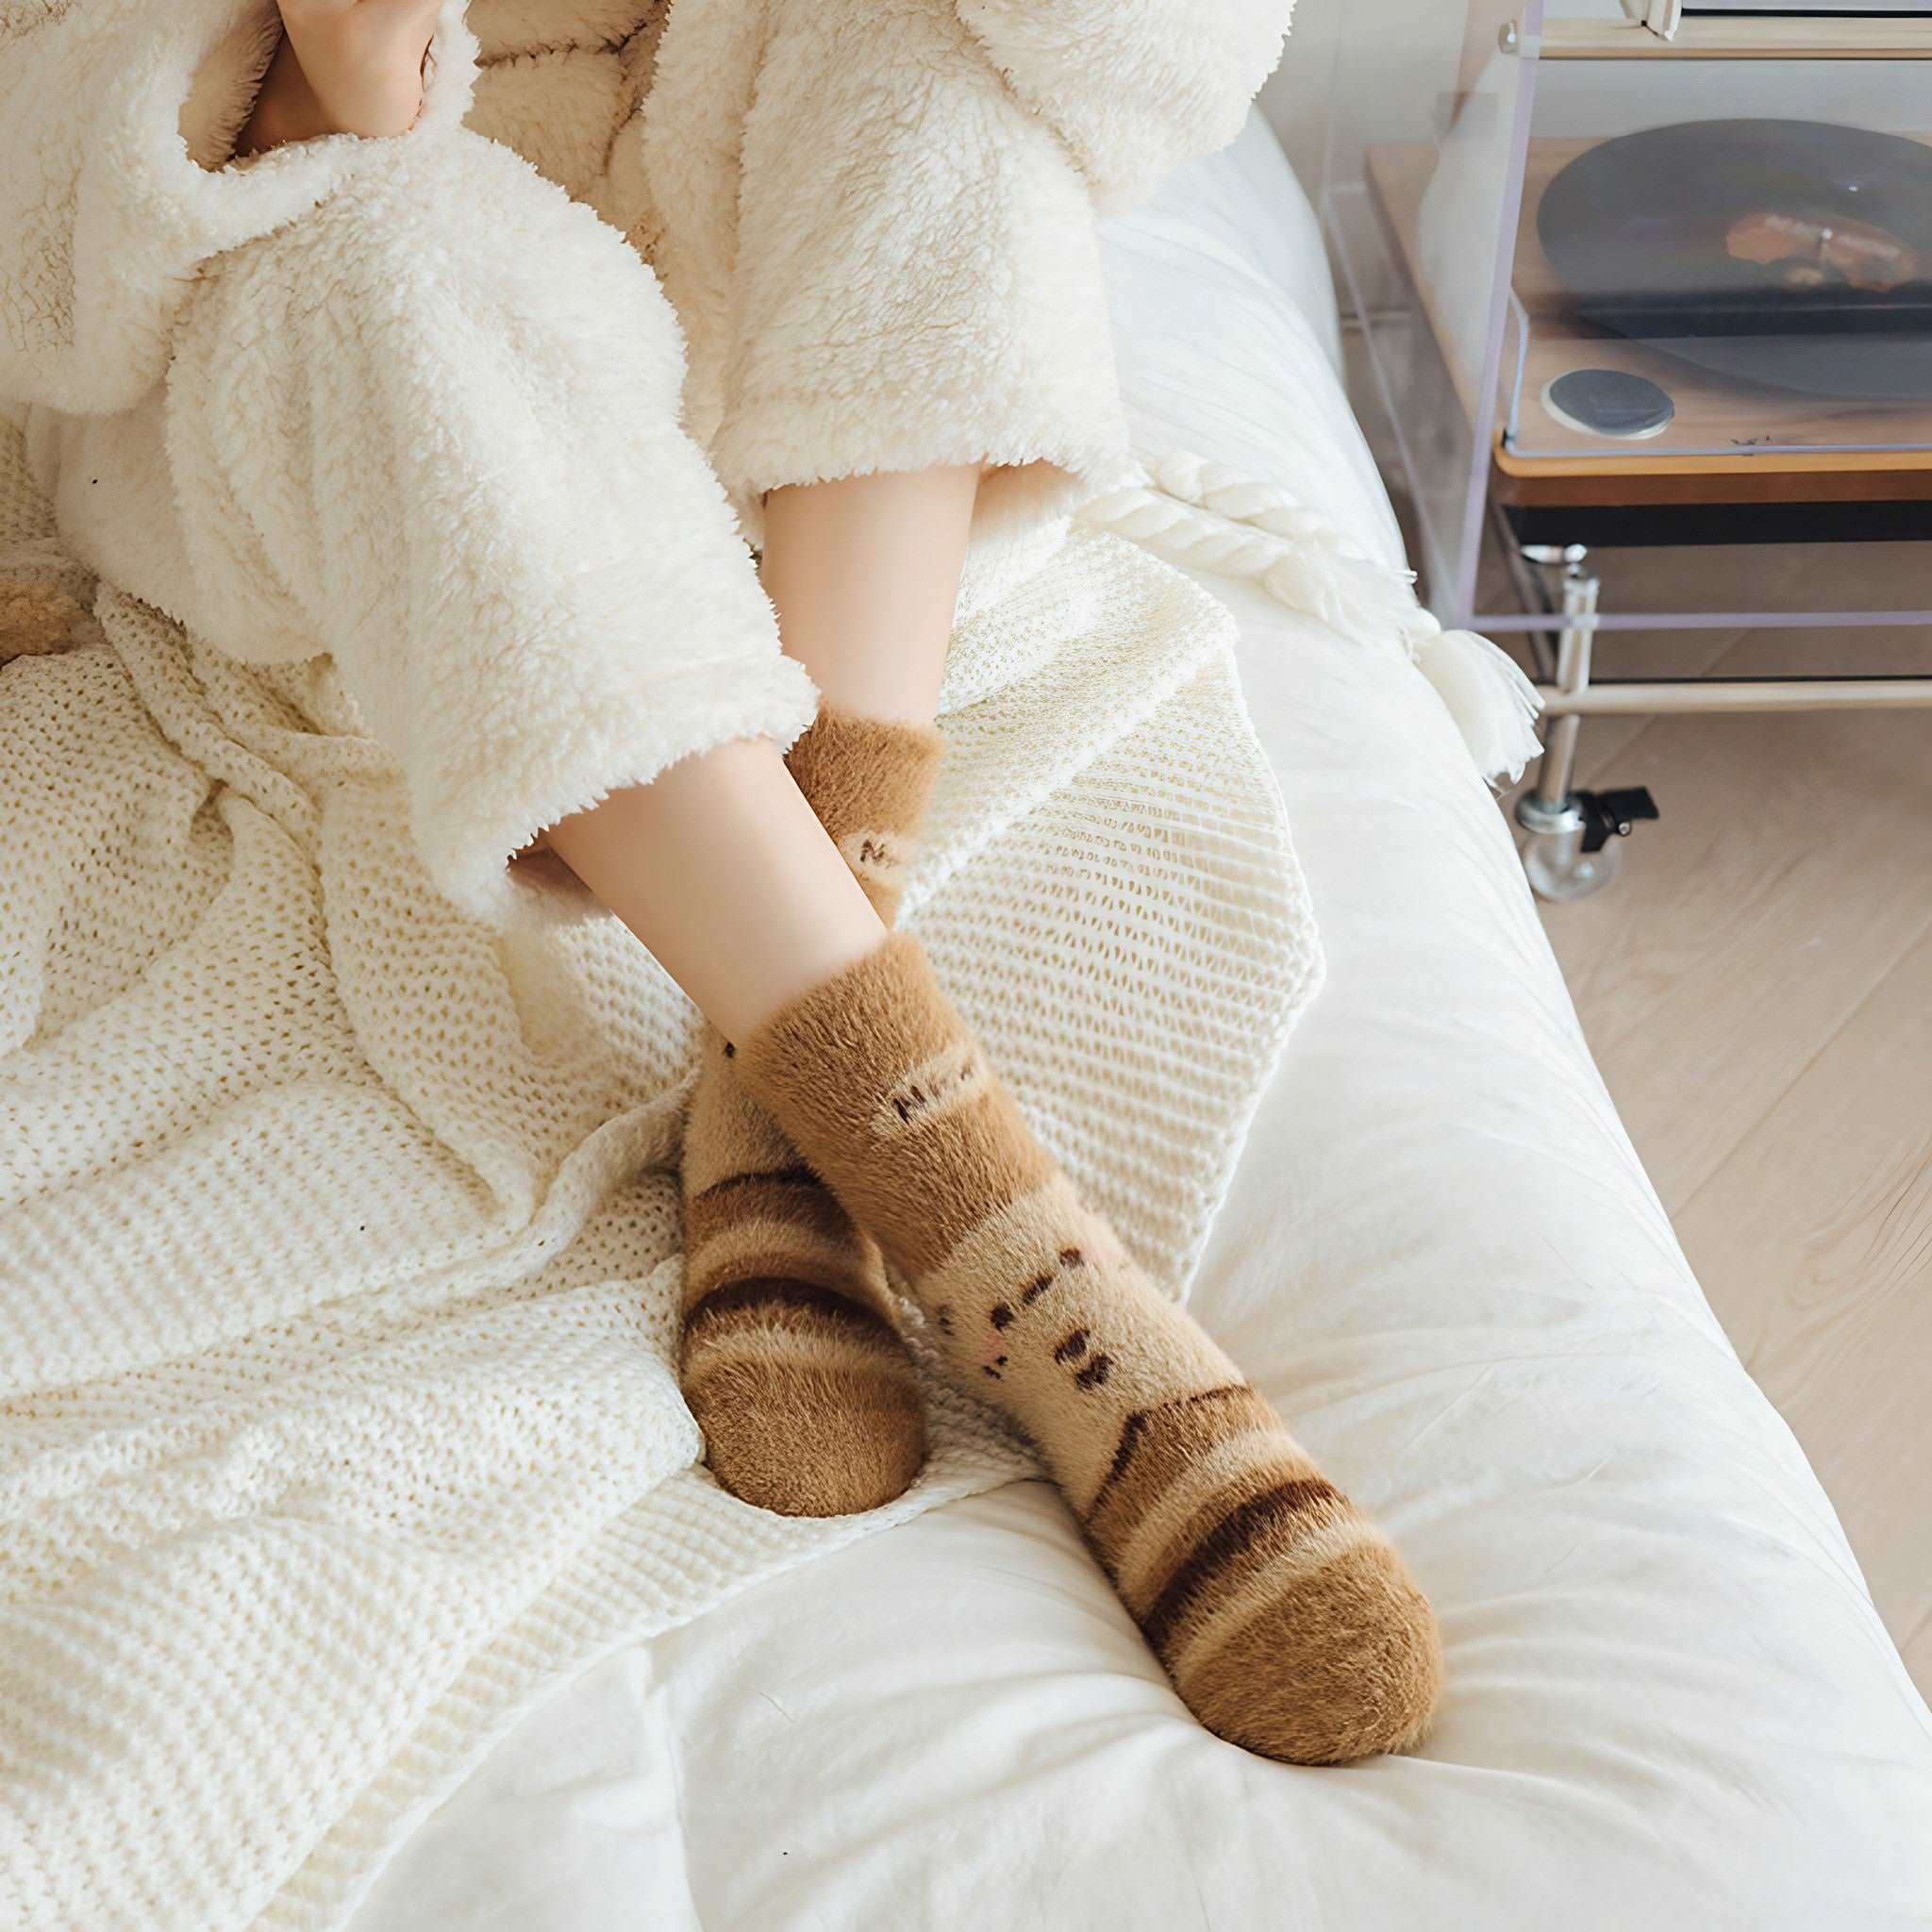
(789, 1360)
(1286, 1619)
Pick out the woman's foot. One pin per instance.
(1287, 1621)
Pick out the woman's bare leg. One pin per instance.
(720, 868)
(865, 574)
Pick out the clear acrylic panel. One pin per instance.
(1573, 251)
(1431, 109)
(1722, 255)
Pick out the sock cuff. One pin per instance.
(863, 774)
(887, 1095)
(868, 780)
(835, 1053)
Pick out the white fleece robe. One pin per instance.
(405, 403)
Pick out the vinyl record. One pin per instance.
(1795, 253)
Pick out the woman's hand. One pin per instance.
(343, 67)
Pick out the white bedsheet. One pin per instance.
(1670, 1700)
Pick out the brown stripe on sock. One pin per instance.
(766, 1295)
(759, 1250)
(1214, 1561)
(1292, 1570)
(1200, 1489)
(770, 1370)
(802, 1201)
(794, 1176)
(1155, 1442)
(1154, 1559)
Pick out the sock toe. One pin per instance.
(1345, 1663)
(810, 1437)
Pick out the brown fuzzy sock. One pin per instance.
(1287, 1621)
(869, 781)
(791, 1360)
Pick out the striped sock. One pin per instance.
(1287, 1621)
(790, 1361)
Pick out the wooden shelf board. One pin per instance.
(1796, 477)
(1764, 37)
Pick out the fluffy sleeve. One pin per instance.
(115, 119)
(1132, 86)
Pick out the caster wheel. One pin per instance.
(1573, 847)
(1559, 873)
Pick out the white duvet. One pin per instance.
(1671, 1702)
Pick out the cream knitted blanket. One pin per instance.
(338, 1234)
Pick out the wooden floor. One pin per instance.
(1757, 985)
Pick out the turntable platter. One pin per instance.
(1793, 253)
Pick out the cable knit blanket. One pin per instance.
(338, 1234)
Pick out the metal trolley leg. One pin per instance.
(1553, 855)
(1574, 835)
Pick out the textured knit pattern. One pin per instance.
(792, 1361)
(340, 1238)
(1287, 1621)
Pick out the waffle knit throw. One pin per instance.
(339, 1231)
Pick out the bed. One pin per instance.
(1669, 1699)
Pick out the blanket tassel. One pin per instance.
(1495, 706)
(1214, 517)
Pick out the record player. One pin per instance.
(1641, 272)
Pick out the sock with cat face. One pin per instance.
(790, 1359)
(1287, 1621)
